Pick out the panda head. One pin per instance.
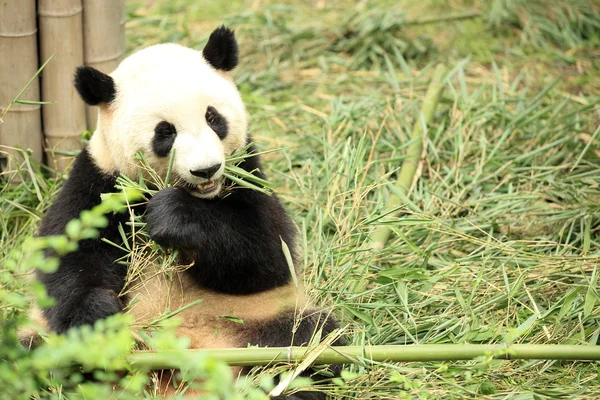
(165, 99)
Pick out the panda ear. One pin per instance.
(94, 87)
(221, 51)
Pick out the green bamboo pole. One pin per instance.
(379, 236)
(408, 169)
(355, 354)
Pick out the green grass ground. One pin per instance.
(500, 239)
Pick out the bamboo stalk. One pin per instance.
(408, 169)
(406, 179)
(61, 34)
(358, 354)
(104, 40)
(21, 124)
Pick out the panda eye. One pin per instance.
(165, 129)
(216, 121)
(164, 137)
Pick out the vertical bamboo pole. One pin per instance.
(408, 170)
(104, 40)
(61, 34)
(21, 126)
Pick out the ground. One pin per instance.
(499, 239)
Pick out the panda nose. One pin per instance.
(206, 173)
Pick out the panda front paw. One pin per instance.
(164, 217)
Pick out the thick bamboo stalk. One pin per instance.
(61, 34)
(21, 125)
(356, 354)
(104, 40)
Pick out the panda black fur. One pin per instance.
(232, 242)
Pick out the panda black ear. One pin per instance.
(94, 87)
(221, 51)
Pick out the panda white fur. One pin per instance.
(170, 98)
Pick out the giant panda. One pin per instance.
(162, 99)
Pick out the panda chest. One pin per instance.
(210, 319)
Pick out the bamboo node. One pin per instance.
(104, 59)
(66, 14)
(20, 108)
(63, 135)
(18, 35)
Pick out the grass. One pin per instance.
(499, 241)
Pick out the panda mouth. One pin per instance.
(207, 187)
(204, 188)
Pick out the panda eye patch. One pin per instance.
(164, 137)
(216, 121)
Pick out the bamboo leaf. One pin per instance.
(290, 261)
(586, 235)
(360, 315)
(591, 296)
(32, 102)
(519, 331)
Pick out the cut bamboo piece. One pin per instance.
(21, 125)
(104, 40)
(61, 34)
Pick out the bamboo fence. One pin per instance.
(60, 24)
(104, 48)
(72, 33)
(21, 124)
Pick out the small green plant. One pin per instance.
(24, 373)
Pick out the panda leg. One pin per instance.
(290, 330)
